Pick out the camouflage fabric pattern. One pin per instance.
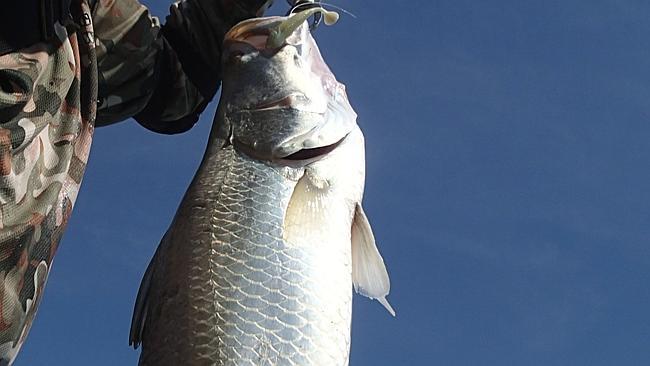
(128, 48)
(45, 138)
(163, 76)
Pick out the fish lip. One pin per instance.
(255, 31)
(313, 154)
(297, 158)
(243, 31)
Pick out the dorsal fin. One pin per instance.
(369, 275)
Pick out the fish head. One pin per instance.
(279, 98)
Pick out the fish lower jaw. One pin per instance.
(297, 159)
(313, 154)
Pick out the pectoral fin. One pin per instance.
(369, 275)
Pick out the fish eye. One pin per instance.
(236, 54)
(236, 50)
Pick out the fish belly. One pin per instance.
(239, 288)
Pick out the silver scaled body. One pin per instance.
(256, 267)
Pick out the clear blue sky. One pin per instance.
(508, 185)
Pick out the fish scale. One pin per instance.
(252, 296)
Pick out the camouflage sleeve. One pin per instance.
(47, 94)
(163, 76)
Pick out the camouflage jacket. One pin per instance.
(116, 62)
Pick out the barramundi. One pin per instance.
(258, 265)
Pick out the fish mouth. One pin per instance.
(301, 157)
(313, 153)
(278, 31)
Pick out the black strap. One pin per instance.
(26, 22)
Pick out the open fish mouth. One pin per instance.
(313, 153)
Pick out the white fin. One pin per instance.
(369, 275)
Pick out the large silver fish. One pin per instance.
(258, 265)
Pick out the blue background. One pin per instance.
(507, 185)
